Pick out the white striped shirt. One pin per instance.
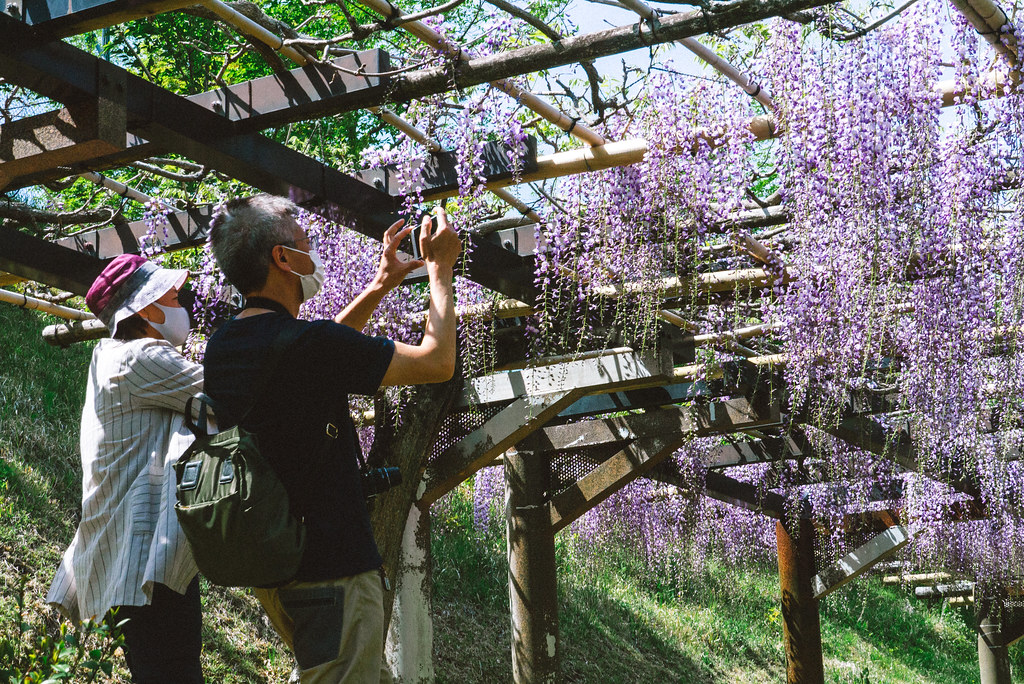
(133, 430)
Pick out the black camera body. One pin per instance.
(379, 480)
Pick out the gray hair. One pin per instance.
(243, 234)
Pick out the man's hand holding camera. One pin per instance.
(440, 247)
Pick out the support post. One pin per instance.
(409, 650)
(533, 590)
(800, 621)
(993, 653)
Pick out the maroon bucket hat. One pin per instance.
(128, 284)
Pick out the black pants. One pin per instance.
(163, 640)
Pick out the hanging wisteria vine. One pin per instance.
(899, 272)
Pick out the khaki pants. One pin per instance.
(334, 628)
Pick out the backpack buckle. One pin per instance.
(227, 472)
(190, 475)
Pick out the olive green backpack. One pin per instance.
(231, 505)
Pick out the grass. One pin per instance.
(623, 621)
(42, 389)
(620, 620)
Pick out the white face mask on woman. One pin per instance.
(311, 282)
(176, 325)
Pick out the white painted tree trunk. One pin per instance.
(409, 649)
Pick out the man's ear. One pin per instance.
(279, 257)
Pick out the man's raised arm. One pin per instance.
(433, 359)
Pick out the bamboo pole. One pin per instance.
(244, 24)
(744, 81)
(63, 334)
(628, 152)
(675, 286)
(737, 334)
(677, 321)
(992, 23)
(529, 100)
(602, 154)
(253, 30)
(609, 155)
(26, 302)
(705, 372)
(916, 578)
(121, 189)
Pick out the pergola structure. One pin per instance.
(569, 432)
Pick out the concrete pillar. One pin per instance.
(993, 653)
(800, 621)
(533, 590)
(409, 649)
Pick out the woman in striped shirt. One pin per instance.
(129, 552)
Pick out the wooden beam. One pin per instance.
(652, 440)
(631, 400)
(720, 417)
(865, 433)
(602, 374)
(536, 395)
(859, 561)
(182, 229)
(308, 92)
(532, 571)
(480, 447)
(35, 259)
(567, 51)
(248, 107)
(54, 19)
(619, 470)
(293, 96)
(728, 490)
(749, 497)
(763, 450)
(801, 623)
(60, 138)
(67, 74)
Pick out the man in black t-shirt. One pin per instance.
(331, 613)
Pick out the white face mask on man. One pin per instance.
(176, 325)
(311, 282)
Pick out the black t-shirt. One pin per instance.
(308, 390)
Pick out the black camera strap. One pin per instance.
(265, 303)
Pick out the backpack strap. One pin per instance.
(198, 427)
(284, 339)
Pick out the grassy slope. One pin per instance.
(620, 621)
(41, 393)
(623, 622)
